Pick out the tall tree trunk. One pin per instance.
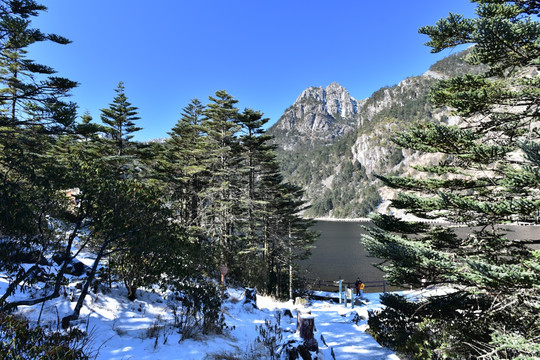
(290, 281)
(290, 267)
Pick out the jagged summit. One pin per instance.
(337, 99)
(318, 114)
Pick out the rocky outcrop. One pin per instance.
(369, 153)
(340, 102)
(319, 115)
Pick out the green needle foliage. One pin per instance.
(119, 120)
(487, 176)
(166, 213)
(33, 117)
(224, 186)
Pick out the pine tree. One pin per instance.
(119, 119)
(254, 153)
(33, 117)
(184, 164)
(296, 237)
(274, 234)
(487, 177)
(223, 183)
(281, 235)
(218, 211)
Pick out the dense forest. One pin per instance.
(165, 213)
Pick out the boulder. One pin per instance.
(75, 267)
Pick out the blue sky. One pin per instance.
(264, 53)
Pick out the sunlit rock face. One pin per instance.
(318, 115)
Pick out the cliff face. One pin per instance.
(318, 116)
(333, 145)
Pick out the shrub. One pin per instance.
(19, 340)
(271, 336)
(200, 309)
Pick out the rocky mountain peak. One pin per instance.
(312, 93)
(339, 101)
(321, 114)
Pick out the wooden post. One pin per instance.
(346, 295)
(223, 270)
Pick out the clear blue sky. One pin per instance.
(263, 52)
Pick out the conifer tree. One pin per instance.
(295, 238)
(487, 177)
(254, 153)
(33, 117)
(119, 119)
(131, 165)
(223, 183)
(218, 213)
(276, 235)
(184, 163)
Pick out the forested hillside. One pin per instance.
(337, 166)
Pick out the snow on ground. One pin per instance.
(123, 329)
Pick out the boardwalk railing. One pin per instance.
(329, 285)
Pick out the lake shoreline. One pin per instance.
(342, 220)
(428, 221)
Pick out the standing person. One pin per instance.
(361, 289)
(357, 286)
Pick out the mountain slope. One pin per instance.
(332, 144)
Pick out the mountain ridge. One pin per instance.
(333, 146)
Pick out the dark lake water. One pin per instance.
(339, 253)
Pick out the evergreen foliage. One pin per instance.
(119, 119)
(218, 216)
(165, 214)
(224, 185)
(33, 119)
(20, 340)
(487, 177)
